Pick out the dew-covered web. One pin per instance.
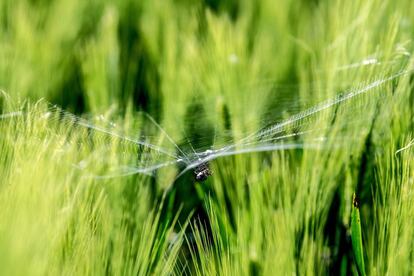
(278, 136)
(287, 133)
(140, 149)
(144, 146)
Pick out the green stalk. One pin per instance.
(356, 237)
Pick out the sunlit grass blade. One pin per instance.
(356, 237)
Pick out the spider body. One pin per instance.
(202, 172)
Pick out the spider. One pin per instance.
(202, 172)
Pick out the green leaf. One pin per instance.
(356, 237)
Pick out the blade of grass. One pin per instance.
(356, 237)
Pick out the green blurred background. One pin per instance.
(203, 69)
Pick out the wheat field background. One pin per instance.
(209, 72)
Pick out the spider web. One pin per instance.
(144, 145)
